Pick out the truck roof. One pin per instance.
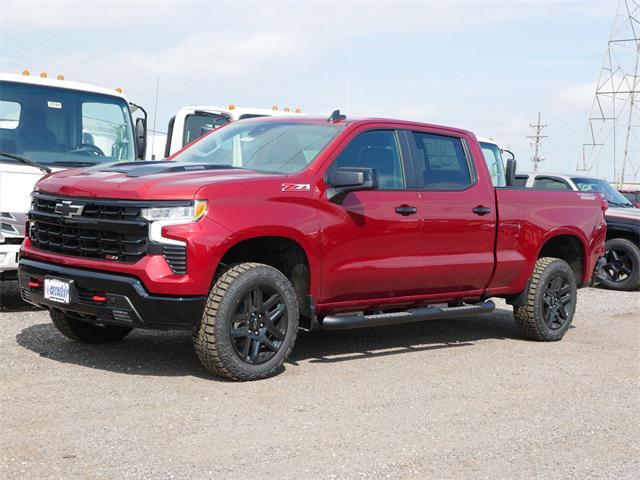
(359, 121)
(54, 82)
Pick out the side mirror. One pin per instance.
(510, 172)
(141, 137)
(350, 179)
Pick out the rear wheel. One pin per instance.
(622, 270)
(551, 301)
(249, 324)
(87, 332)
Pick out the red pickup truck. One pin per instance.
(271, 224)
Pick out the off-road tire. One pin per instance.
(212, 337)
(632, 282)
(530, 319)
(86, 332)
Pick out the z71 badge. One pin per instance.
(296, 187)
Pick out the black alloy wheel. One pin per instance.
(618, 267)
(557, 302)
(259, 325)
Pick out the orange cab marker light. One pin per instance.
(43, 75)
(60, 77)
(26, 72)
(99, 298)
(119, 90)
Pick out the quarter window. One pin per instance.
(442, 162)
(377, 149)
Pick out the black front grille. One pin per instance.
(176, 257)
(105, 230)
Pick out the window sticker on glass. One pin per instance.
(54, 104)
(441, 154)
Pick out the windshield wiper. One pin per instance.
(618, 204)
(26, 161)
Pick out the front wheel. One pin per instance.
(551, 301)
(622, 270)
(249, 324)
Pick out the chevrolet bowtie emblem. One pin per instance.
(68, 209)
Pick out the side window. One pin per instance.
(105, 126)
(375, 149)
(9, 114)
(9, 121)
(442, 162)
(521, 180)
(548, 183)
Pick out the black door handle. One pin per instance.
(406, 210)
(480, 210)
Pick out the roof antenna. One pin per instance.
(336, 116)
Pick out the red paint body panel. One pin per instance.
(361, 254)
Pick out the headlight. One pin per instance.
(188, 213)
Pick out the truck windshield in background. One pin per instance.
(611, 195)
(493, 157)
(63, 127)
(264, 146)
(199, 123)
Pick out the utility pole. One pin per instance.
(536, 159)
(615, 106)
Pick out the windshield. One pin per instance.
(57, 126)
(199, 123)
(264, 146)
(612, 196)
(493, 157)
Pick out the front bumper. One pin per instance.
(126, 302)
(8, 259)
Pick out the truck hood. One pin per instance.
(16, 183)
(148, 180)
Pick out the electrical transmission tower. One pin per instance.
(612, 144)
(536, 159)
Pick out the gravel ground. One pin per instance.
(441, 399)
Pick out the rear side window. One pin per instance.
(376, 149)
(549, 183)
(442, 162)
(521, 181)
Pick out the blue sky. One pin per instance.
(488, 66)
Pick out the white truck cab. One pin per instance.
(493, 156)
(192, 121)
(51, 124)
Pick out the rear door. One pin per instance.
(370, 242)
(457, 209)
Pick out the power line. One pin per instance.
(537, 138)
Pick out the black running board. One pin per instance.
(345, 322)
